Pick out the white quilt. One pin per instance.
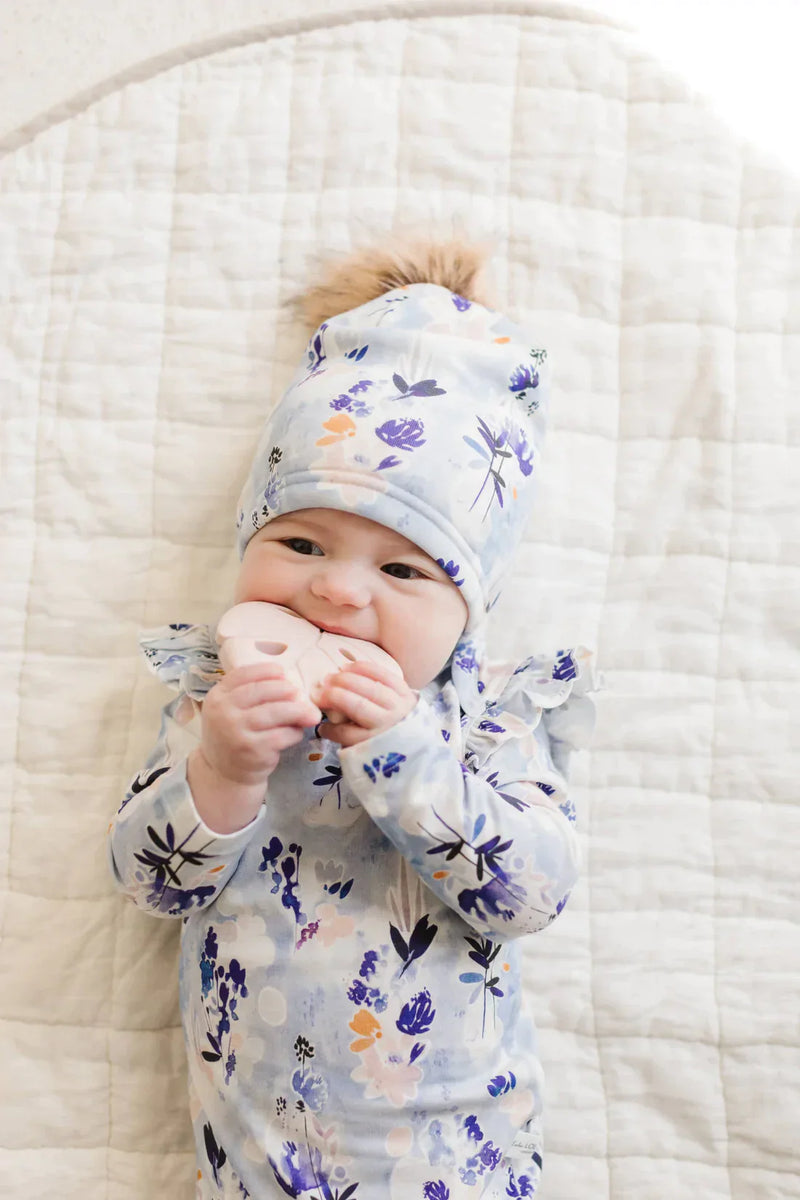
(150, 242)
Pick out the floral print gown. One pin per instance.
(350, 961)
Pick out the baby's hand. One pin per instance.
(248, 717)
(367, 697)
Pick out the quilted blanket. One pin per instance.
(152, 239)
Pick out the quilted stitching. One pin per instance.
(156, 236)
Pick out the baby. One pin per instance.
(353, 868)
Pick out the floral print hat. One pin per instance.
(424, 412)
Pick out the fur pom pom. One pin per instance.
(365, 274)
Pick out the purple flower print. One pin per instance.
(564, 666)
(405, 434)
(461, 303)
(357, 993)
(421, 937)
(425, 387)
(311, 1088)
(417, 1015)
(385, 463)
(316, 352)
(490, 1155)
(300, 1169)
(215, 1154)
(436, 1190)
(345, 403)
(522, 1186)
(473, 1129)
(452, 569)
(389, 767)
(523, 377)
(522, 451)
(495, 443)
(368, 965)
(466, 659)
(221, 989)
(499, 1084)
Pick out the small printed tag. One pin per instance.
(527, 1141)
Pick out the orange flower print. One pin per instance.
(369, 1028)
(341, 426)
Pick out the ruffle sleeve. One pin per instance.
(184, 657)
(547, 695)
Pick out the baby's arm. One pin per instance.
(493, 845)
(248, 718)
(189, 814)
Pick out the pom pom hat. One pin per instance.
(425, 412)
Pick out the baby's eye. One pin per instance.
(302, 545)
(402, 571)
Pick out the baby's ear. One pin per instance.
(354, 279)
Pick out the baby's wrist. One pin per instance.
(225, 805)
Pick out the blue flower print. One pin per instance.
(300, 1169)
(564, 667)
(333, 779)
(436, 1190)
(496, 457)
(357, 993)
(421, 937)
(311, 1088)
(523, 377)
(346, 403)
(215, 1154)
(460, 302)
(490, 727)
(416, 1017)
(164, 871)
(403, 434)
(288, 875)
(473, 1129)
(489, 1156)
(498, 900)
(484, 952)
(387, 768)
(499, 1085)
(221, 989)
(452, 569)
(522, 451)
(465, 659)
(519, 1186)
(315, 351)
(357, 354)
(368, 965)
(425, 387)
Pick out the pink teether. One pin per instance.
(255, 632)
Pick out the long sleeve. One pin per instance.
(160, 852)
(493, 836)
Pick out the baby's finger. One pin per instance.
(377, 671)
(252, 673)
(263, 691)
(291, 713)
(361, 710)
(362, 685)
(284, 736)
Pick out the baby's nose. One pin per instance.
(340, 583)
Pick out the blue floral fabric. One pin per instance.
(350, 969)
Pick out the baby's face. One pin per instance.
(349, 575)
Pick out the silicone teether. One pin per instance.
(256, 632)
